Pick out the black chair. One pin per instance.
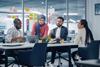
(59, 51)
(60, 56)
(34, 57)
(91, 51)
(2, 40)
(2, 59)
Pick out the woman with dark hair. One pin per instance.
(40, 29)
(89, 36)
(83, 37)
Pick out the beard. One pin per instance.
(17, 27)
(59, 25)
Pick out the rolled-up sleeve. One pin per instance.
(8, 37)
(33, 29)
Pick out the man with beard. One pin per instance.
(14, 34)
(59, 33)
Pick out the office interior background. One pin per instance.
(28, 10)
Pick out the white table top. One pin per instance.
(28, 45)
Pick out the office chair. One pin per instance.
(34, 57)
(59, 51)
(91, 51)
(2, 59)
(59, 58)
(2, 40)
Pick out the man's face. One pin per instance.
(41, 21)
(18, 24)
(59, 22)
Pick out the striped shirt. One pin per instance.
(12, 33)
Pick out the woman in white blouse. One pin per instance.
(80, 37)
(83, 37)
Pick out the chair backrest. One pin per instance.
(34, 57)
(91, 51)
(38, 57)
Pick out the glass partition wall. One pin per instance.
(32, 9)
(9, 10)
(56, 8)
(29, 10)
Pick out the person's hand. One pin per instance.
(43, 38)
(18, 39)
(52, 41)
(62, 41)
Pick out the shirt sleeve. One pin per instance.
(77, 39)
(80, 38)
(9, 37)
(33, 29)
(46, 31)
(83, 36)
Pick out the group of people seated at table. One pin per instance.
(40, 32)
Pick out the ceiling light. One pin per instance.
(71, 13)
(42, 2)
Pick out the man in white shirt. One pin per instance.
(59, 33)
(14, 34)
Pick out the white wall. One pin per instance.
(94, 20)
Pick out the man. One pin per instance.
(14, 34)
(40, 29)
(59, 33)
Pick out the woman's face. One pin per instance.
(41, 21)
(80, 26)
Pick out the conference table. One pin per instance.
(51, 46)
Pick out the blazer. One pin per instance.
(63, 33)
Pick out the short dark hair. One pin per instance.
(16, 20)
(60, 18)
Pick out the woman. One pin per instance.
(83, 37)
(40, 29)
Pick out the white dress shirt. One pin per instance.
(12, 33)
(80, 37)
(58, 32)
